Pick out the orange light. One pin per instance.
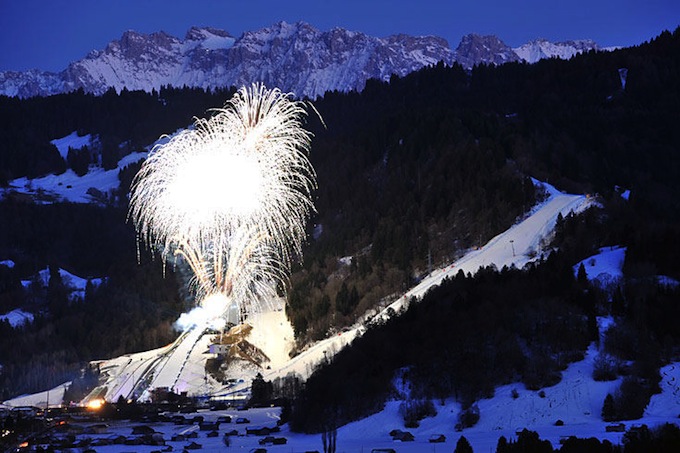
(23, 445)
(95, 404)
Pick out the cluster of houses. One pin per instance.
(405, 436)
(85, 432)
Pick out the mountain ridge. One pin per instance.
(295, 57)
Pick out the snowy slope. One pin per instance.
(70, 187)
(526, 238)
(17, 317)
(518, 246)
(94, 187)
(605, 268)
(166, 367)
(576, 400)
(170, 372)
(76, 285)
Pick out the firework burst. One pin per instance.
(231, 196)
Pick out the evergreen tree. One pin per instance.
(581, 276)
(530, 442)
(57, 293)
(502, 445)
(463, 446)
(608, 409)
(261, 391)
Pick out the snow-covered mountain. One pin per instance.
(539, 49)
(475, 49)
(294, 57)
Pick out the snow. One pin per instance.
(17, 317)
(274, 335)
(576, 400)
(48, 398)
(539, 49)
(89, 188)
(665, 280)
(180, 366)
(214, 42)
(667, 403)
(518, 246)
(70, 187)
(73, 140)
(606, 267)
(345, 260)
(71, 281)
(191, 352)
(123, 373)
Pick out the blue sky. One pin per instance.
(48, 34)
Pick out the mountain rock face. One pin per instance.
(538, 49)
(475, 49)
(296, 58)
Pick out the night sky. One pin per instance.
(48, 34)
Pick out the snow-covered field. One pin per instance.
(17, 317)
(75, 285)
(576, 400)
(604, 268)
(70, 187)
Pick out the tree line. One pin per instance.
(412, 172)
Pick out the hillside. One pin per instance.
(576, 399)
(413, 173)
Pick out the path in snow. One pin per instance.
(517, 246)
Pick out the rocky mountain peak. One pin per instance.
(296, 57)
(539, 49)
(203, 33)
(133, 45)
(489, 49)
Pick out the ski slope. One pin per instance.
(171, 366)
(181, 366)
(576, 400)
(517, 246)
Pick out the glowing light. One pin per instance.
(231, 196)
(95, 404)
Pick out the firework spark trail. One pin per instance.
(231, 196)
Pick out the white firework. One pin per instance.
(231, 196)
